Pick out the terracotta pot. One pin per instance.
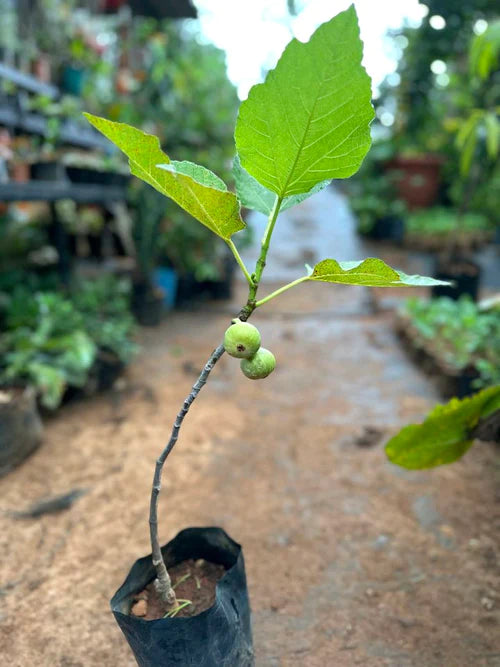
(417, 179)
(41, 68)
(20, 172)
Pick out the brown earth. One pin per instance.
(350, 561)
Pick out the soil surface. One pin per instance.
(194, 582)
(350, 560)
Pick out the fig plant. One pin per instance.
(308, 123)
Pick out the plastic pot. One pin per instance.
(465, 274)
(147, 304)
(220, 636)
(21, 428)
(73, 80)
(389, 228)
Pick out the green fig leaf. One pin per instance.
(446, 433)
(257, 197)
(371, 272)
(309, 121)
(195, 189)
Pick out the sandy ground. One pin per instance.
(350, 561)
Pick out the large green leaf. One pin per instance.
(445, 435)
(371, 272)
(255, 196)
(197, 190)
(309, 121)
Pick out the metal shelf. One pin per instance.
(27, 82)
(54, 191)
(71, 132)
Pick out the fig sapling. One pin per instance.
(307, 123)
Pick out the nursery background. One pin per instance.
(112, 298)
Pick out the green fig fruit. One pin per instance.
(260, 365)
(241, 340)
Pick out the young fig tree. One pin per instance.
(308, 123)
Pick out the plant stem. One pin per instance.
(163, 584)
(241, 264)
(280, 291)
(250, 306)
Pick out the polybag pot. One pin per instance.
(220, 636)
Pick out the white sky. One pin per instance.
(254, 32)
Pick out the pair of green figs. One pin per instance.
(242, 340)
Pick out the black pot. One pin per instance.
(188, 290)
(21, 428)
(220, 636)
(147, 305)
(48, 171)
(389, 228)
(464, 273)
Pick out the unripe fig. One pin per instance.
(241, 340)
(260, 365)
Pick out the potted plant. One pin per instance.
(457, 341)
(147, 296)
(477, 132)
(286, 149)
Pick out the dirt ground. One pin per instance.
(350, 561)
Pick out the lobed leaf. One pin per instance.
(446, 433)
(257, 197)
(309, 121)
(195, 189)
(371, 272)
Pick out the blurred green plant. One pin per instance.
(460, 333)
(439, 221)
(52, 340)
(45, 345)
(447, 432)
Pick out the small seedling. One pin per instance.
(308, 123)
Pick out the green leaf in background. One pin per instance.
(445, 435)
(50, 382)
(371, 272)
(255, 196)
(309, 121)
(194, 188)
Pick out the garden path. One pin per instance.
(350, 561)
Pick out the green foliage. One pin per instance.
(257, 197)
(371, 272)
(461, 334)
(443, 221)
(104, 305)
(446, 433)
(309, 121)
(195, 189)
(45, 345)
(52, 342)
(485, 51)
(324, 94)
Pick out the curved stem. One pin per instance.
(281, 290)
(163, 584)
